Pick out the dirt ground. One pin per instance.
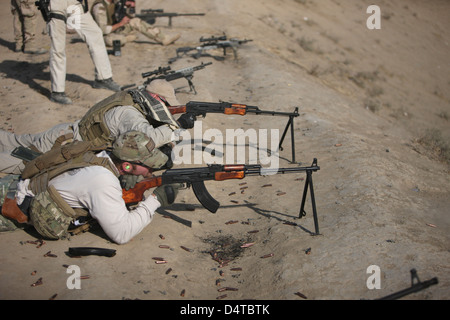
(366, 98)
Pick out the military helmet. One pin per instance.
(138, 147)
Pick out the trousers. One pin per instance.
(24, 23)
(87, 29)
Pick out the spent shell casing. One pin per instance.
(37, 283)
(186, 249)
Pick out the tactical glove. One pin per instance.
(166, 194)
(128, 181)
(187, 120)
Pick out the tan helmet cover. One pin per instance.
(137, 146)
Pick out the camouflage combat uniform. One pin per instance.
(25, 20)
(103, 13)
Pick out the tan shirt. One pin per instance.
(96, 189)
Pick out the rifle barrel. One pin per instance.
(258, 170)
(256, 110)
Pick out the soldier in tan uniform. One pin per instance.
(70, 13)
(24, 23)
(127, 29)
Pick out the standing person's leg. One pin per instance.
(57, 32)
(91, 33)
(17, 25)
(30, 15)
(24, 23)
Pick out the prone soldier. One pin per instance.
(143, 110)
(54, 194)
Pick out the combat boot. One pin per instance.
(60, 97)
(166, 39)
(160, 37)
(31, 47)
(18, 47)
(106, 84)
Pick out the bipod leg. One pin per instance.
(290, 124)
(191, 85)
(291, 119)
(309, 183)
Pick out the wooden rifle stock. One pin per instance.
(136, 194)
(177, 109)
(220, 176)
(239, 109)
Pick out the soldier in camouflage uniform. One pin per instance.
(88, 184)
(127, 28)
(24, 23)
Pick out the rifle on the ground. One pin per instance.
(210, 44)
(169, 75)
(202, 108)
(415, 287)
(196, 178)
(150, 15)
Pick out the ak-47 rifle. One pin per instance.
(196, 178)
(170, 75)
(210, 44)
(150, 15)
(202, 108)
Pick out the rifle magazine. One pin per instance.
(204, 197)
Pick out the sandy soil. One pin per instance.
(365, 98)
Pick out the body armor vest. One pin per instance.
(49, 213)
(153, 107)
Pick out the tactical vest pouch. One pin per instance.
(51, 215)
(56, 156)
(92, 126)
